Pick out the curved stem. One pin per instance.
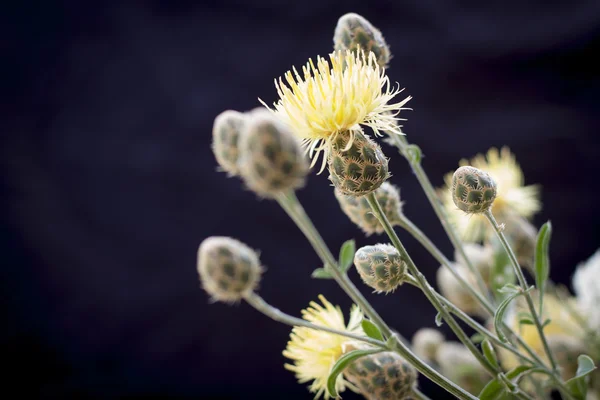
(523, 284)
(402, 144)
(426, 288)
(274, 313)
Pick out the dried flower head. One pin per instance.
(337, 95)
(512, 197)
(314, 352)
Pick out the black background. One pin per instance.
(109, 183)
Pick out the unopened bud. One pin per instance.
(353, 31)
(359, 211)
(357, 166)
(381, 267)
(473, 190)
(225, 136)
(271, 159)
(228, 268)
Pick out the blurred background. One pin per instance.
(109, 183)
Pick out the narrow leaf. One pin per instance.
(438, 320)
(499, 315)
(415, 153)
(489, 353)
(492, 391)
(578, 385)
(541, 260)
(321, 273)
(517, 373)
(341, 365)
(347, 255)
(477, 338)
(371, 329)
(509, 288)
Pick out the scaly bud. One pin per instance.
(359, 211)
(426, 342)
(380, 267)
(356, 163)
(382, 376)
(228, 268)
(473, 190)
(225, 135)
(271, 159)
(353, 32)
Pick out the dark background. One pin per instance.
(109, 183)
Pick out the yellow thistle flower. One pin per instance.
(338, 95)
(315, 352)
(513, 200)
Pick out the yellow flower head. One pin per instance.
(315, 352)
(337, 95)
(513, 200)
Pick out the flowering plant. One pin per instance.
(530, 339)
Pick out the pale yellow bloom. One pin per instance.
(337, 95)
(314, 352)
(513, 199)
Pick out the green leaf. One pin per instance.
(477, 338)
(489, 353)
(502, 272)
(341, 365)
(371, 329)
(415, 153)
(321, 273)
(438, 320)
(541, 260)
(347, 255)
(499, 315)
(517, 373)
(509, 288)
(494, 390)
(578, 385)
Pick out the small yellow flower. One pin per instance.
(315, 352)
(335, 96)
(513, 199)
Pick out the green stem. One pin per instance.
(402, 143)
(523, 284)
(473, 324)
(426, 288)
(274, 313)
(294, 209)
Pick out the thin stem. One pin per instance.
(473, 324)
(294, 209)
(418, 395)
(425, 287)
(523, 284)
(402, 144)
(274, 313)
(411, 228)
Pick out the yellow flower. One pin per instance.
(315, 352)
(335, 96)
(513, 200)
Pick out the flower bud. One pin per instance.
(226, 133)
(356, 163)
(426, 342)
(382, 376)
(458, 364)
(271, 159)
(228, 268)
(359, 211)
(473, 190)
(380, 267)
(453, 289)
(353, 31)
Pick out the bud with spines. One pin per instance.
(426, 342)
(227, 128)
(228, 268)
(357, 166)
(381, 267)
(473, 190)
(353, 32)
(271, 158)
(382, 376)
(359, 211)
